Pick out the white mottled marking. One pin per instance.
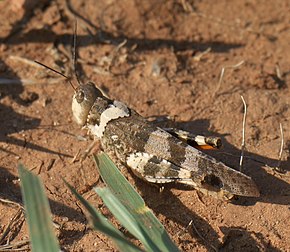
(158, 180)
(184, 174)
(189, 182)
(114, 137)
(78, 112)
(158, 143)
(115, 111)
(121, 106)
(166, 165)
(190, 163)
(137, 161)
(200, 140)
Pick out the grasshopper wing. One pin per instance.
(127, 136)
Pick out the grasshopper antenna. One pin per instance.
(74, 62)
(57, 72)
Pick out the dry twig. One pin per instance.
(243, 133)
(12, 222)
(24, 82)
(183, 231)
(278, 71)
(191, 223)
(24, 60)
(6, 201)
(186, 6)
(15, 246)
(223, 72)
(201, 54)
(281, 149)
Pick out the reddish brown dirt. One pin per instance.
(160, 71)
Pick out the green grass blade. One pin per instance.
(145, 220)
(37, 212)
(101, 224)
(126, 219)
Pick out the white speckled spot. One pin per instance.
(137, 161)
(184, 174)
(115, 111)
(78, 112)
(121, 106)
(114, 137)
(166, 165)
(190, 163)
(200, 140)
(159, 180)
(158, 143)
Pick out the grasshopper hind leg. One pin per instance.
(156, 170)
(160, 171)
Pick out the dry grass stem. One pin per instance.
(229, 67)
(182, 232)
(186, 6)
(11, 202)
(201, 54)
(243, 133)
(223, 72)
(24, 60)
(12, 222)
(24, 82)
(191, 223)
(281, 148)
(278, 71)
(15, 246)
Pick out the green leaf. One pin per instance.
(140, 221)
(126, 219)
(37, 212)
(101, 224)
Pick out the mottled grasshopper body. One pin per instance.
(152, 153)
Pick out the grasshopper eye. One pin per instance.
(80, 96)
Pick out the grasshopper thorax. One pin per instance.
(83, 99)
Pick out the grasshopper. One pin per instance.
(154, 154)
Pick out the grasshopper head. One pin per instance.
(83, 99)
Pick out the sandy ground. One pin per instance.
(168, 67)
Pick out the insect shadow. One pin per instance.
(169, 205)
(239, 239)
(12, 121)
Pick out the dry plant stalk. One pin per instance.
(278, 71)
(26, 82)
(223, 72)
(183, 231)
(201, 54)
(243, 134)
(191, 223)
(281, 149)
(17, 246)
(24, 60)
(6, 201)
(13, 222)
